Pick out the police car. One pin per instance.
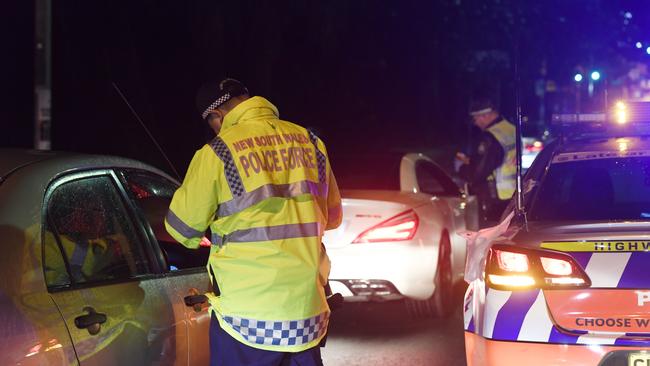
(566, 279)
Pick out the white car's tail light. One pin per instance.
(510, 268)
(400, 227)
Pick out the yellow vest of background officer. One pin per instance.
(505, 174)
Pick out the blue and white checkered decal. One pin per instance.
(320, 158)
(279, 333)
(232, 175)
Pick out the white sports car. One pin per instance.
(398, 235)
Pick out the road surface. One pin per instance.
(383, 334)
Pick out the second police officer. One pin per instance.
(491, 168)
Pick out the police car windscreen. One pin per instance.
(367, 171)
(609, 189)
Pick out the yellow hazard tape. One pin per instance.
(599, 246)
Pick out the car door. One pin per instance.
(102, 276)
(185, 269)
(432, 180)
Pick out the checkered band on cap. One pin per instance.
(320, 158)
(224, 98)
(232, 175)
(280, 333)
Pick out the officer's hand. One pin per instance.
(462, 158)
(205, 242)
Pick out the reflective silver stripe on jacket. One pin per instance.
(181, 227)
(230, 169)
(320, 158)
(267, 233)
(279, 333)
(258, 195)
(216, 239)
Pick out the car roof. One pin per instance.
(620, 145)
(13, 160)
(607, 143)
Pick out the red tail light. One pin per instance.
(559, 267)
(512, 262)
(536, 146)
(400, 227)
(509, 268)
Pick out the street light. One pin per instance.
(595, 75)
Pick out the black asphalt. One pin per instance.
(383, 334)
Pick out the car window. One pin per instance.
(152, 194)
(599, 189)
(433, 180)
(89, 235)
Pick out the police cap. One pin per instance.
(481, 106)
(213, 94)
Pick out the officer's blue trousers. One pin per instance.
(227, 351)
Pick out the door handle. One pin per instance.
(195, 299)
(91, 321)
(192, 300)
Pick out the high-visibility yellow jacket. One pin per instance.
(505, 174)
(265, 189)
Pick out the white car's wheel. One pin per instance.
(441, 302)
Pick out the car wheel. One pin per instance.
(441, 302)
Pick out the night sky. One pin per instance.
(389, 75)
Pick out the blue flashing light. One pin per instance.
(577, 77)
(595, 75)
(639, 45)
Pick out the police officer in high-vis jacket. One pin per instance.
(265, 189)
(491, 168)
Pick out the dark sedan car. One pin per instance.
(87, 273)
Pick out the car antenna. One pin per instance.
(520, 210)
(146, 129)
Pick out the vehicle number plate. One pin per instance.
(638, 359)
